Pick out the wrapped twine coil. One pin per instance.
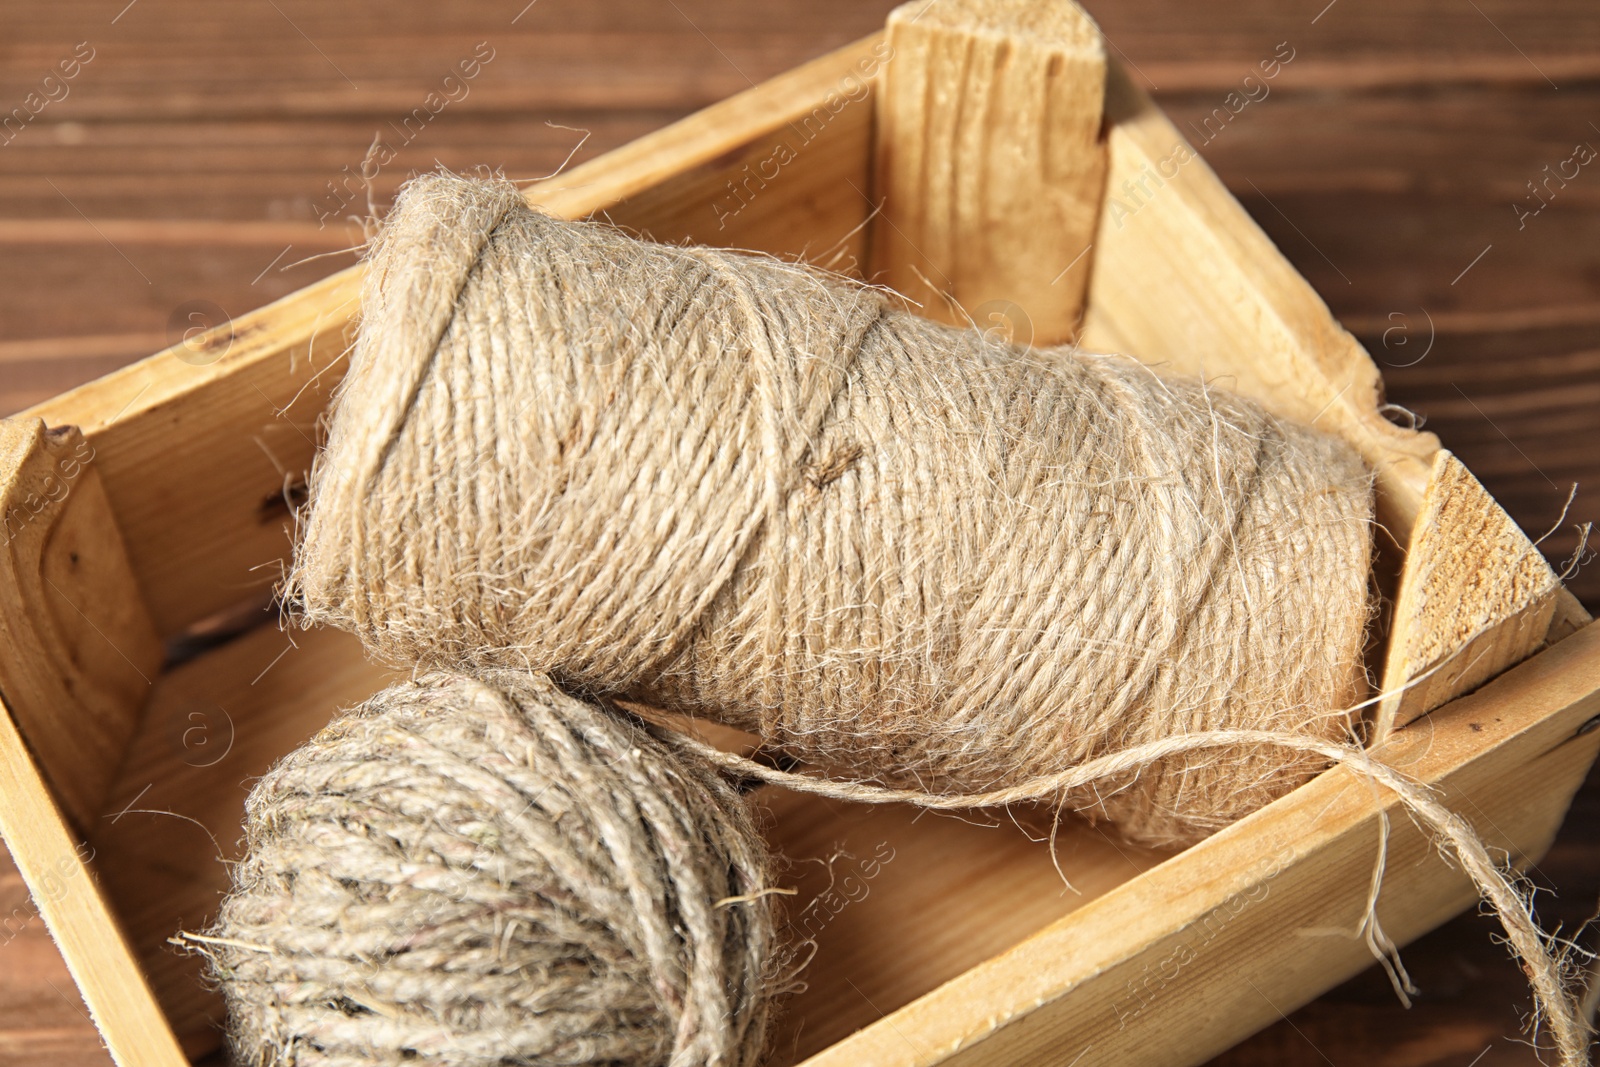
(485, 871)
(736, 487)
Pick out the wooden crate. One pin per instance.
(147, 516)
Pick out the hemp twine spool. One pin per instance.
(735, 487)
(480, 871)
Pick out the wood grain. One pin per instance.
(1388, 154)
(988, 162)
(72, 620)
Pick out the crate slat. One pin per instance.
(988, 163)
(81, 652)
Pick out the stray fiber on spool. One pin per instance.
(736, 487)
(476, 871)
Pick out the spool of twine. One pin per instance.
(483, 871)
(733, 486)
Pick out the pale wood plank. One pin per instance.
(688, 181)
(989, 166)
(1184, 279)
(1476, 596)
(77, 648)
(1232, 309)
(196, 444)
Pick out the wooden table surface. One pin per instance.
(1402, 160)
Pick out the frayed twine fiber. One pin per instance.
(480, 871)
(731, 486)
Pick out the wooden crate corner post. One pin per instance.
(1476, 597)
(77, 654)
(78, 651)
(989, 166)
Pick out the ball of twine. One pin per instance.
(483, 871)
(733, 486)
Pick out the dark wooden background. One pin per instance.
(182, 176)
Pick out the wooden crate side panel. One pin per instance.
(675, 182)
(56, 868)
(78, 652)
(794, 181)
(1206, 931)
(1185, 278)
(202, 448)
